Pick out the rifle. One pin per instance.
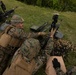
(57, 34)
(7, 14)
(46, 27)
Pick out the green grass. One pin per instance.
(34, 15)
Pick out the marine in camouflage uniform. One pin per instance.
(10, 41)
(53, 47)
(28, 50)
(42, 56)
(31, 50)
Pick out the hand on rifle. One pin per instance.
(42, 33)
(52, 32)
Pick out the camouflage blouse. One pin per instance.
(17, 33)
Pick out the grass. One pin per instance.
(34, 15)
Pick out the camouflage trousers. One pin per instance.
(40, 61)
(59, 72)
(5, 55)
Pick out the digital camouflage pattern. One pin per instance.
(17, 33)
(16, 19)
(49, 47)
(62, 47)
(42, 58)
(59, 72)
(72, 71)
(40, 61)
(30, 48)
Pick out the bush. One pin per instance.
(39, 2)
(62, 5)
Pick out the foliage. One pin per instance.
(62, 5)
(39, 2)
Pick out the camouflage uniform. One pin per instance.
(16, 38)
(59, 72)
(28, 50)
(31, 50)
(42, 58)
(62, 48)
(72, 71)
(43, 54)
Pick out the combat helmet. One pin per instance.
(16, 19)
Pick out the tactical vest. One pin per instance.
(20, 64)
(7, 39)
